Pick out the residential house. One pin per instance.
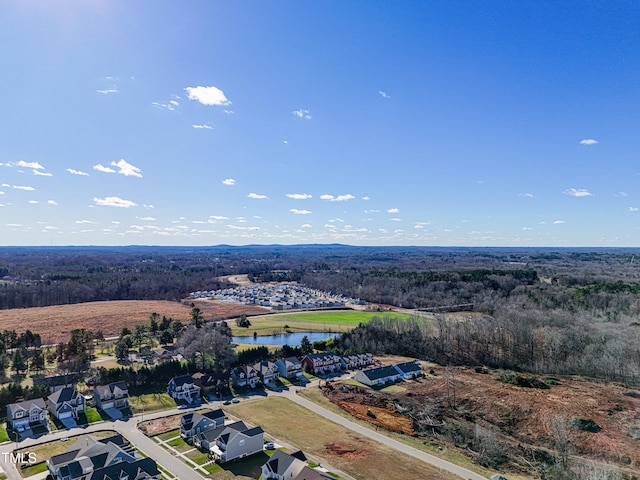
(237, 442)
(210, 382)
(308, 473)
(27, 415)
(290, 368)
(322, 363)
(206, 439)
(66, 403)
(57, 382)
(409, 370)
(183, 388)
(244, 376)
(356, 361)
(114, 395)
(110, 458)
(267, 372)
(193, 423)
(283, 466)
(378, 375)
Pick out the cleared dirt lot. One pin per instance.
(520, 414)
(55, 323)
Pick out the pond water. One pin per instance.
(291, 339)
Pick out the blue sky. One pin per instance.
(360, 122)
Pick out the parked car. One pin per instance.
(227, 402)
(269, 446)
(235, 400)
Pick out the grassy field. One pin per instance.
(322, 321)
(341, 448)
(151, 402)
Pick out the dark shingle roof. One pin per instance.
(408, 367)
(377, 373)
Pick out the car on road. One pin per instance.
(235, 400)
(183, 406)
(227, 402)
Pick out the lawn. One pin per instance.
(33, 469)
(343, 449)
(197, 456)
(151, 402)
(4, 436)
(169, 435)
(179, 444)
(92, 415)
(323, 321)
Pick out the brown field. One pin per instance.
(55, 323)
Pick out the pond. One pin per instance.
(291, 339)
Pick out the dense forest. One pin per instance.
(569, 311)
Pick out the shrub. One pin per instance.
(585, 425)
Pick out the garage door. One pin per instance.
(64, 415)
(108, 405)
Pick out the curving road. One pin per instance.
(291, 394)
(128, 428)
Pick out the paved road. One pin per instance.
(128, 428)
(378, 437)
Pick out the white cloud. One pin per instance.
(621, 194)
(578, 192)
(299, 196)
(52, 202)
(299, 212)
(170, 105)
(33, 202)
(339, 198)
(527, 228)
(23, 187)
(108, 90)
(366, 198)
(127, 169)
(306, 225)
(395, 219)
(228, 112)
(101, 168)
(214, 218)
(633, 209)
(77, 172)
(257, 196)
(528, 195)
(393, 210)
(114, 202)
(383, 94)
(207, 95)
(558, 222)
(203, 126)
(85, 222)
(146, 219)
(42, 174)
(229, 181)
(33, 165)
(147, 206)
(302, 113)
(588, 141)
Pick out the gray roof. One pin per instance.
(111, 388)
(280, 462)
(25, 405)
